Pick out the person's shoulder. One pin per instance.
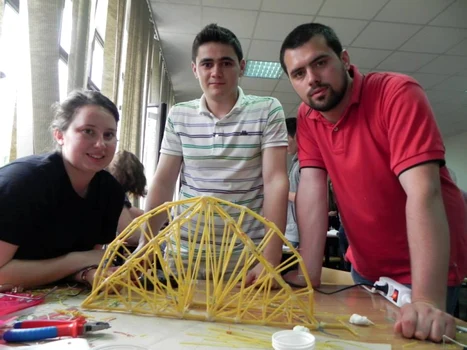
(182, 110)
(252, 100)
(33, 165)
(387, 81)
(192, 104)
(34, 175)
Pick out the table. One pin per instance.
(378, 310)
(162, 333)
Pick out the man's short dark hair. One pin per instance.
(303, 33)
(214, 33)
(291, 124)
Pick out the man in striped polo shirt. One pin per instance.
(227, 144)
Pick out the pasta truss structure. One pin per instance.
(196, 268)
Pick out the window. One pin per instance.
(65, 44)
(97, 67)
(10, 66)
(97, 56)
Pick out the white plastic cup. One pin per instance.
(293, 340)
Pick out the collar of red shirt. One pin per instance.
(357, 84)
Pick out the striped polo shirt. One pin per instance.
(223, 157)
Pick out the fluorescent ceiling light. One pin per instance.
(263, 69)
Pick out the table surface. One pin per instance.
(163, 333)
(378, 310)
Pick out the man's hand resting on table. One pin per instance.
(295, 279)
(255, 273)
(422, 320)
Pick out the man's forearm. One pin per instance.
(275, 210)
(428, 235)
(157, 196)
(33, 273)
(312, 221)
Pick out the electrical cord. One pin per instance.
(383, 288)
(345, 288)
(378, 286)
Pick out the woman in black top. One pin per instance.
(59, 209)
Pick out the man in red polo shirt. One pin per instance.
(376, 137)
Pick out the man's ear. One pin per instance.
(58, 136)
(242, 67)
(345, 59)
(193, 68)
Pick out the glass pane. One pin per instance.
(101, 17)
(62, 78)
(9, 48)
(65, 38)
(97, 64)
(10, 65)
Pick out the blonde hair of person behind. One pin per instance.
(129, 172)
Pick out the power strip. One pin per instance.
(399, 295)
(396, 293)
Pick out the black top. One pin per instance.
(41, 213)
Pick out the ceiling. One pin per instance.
(426, 39)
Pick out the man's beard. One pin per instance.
(334, 98)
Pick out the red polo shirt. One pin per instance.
(387, 128)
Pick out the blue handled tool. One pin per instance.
(34, 330)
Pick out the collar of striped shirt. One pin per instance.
(203, 108)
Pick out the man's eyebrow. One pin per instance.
(324, 55)
(204, 60)
(313, 61)
(225, 58)
(296, 70)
